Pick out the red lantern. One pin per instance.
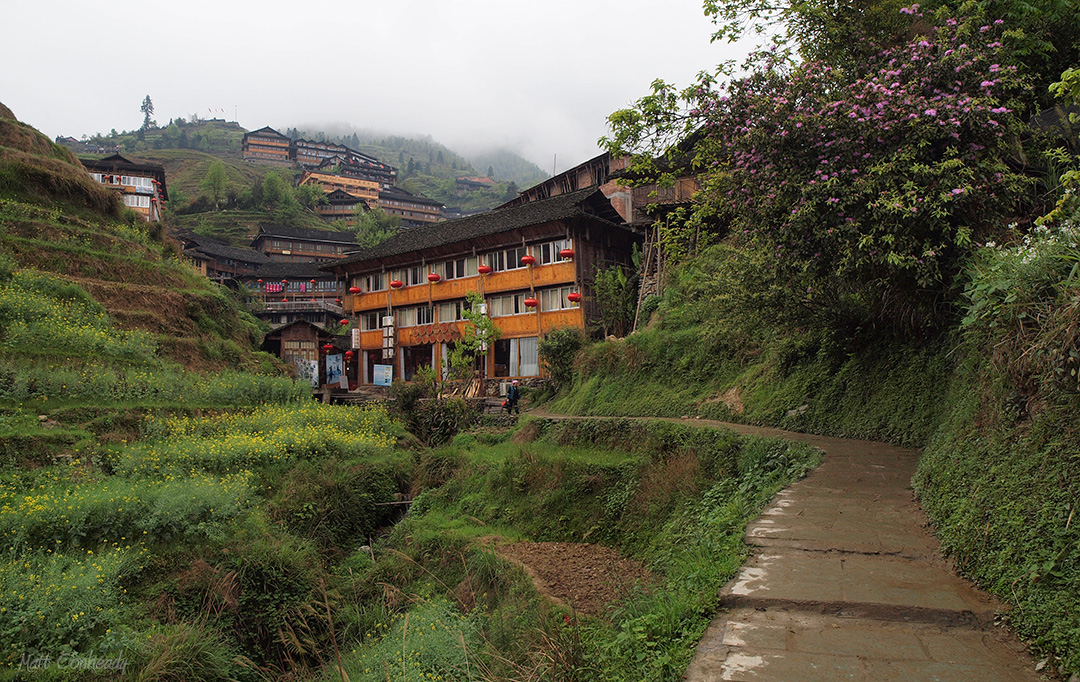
(396, 284)
(530, 302)
(260, 281)
(328, 347)
(527, 259)
(344, 323)
(567, 254)
(348, 355)
(574, 297)
(433, 277)
(484, 269)
(355, 290)
(312, 281)
(337, 300)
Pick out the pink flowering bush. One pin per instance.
(868, 188)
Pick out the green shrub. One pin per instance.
(557, 350)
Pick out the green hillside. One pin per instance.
(65, 236)
(426, 167)
(187, 148)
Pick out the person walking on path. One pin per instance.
(513, 395)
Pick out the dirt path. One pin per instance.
(847, 583)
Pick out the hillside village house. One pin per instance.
(267, 147)
(141, 186)
(283, 293)
(412, 208)
(300, 245)
(340, 205)
(219, 261)
(533, 265)
(368, 190)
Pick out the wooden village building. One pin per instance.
(141, 186)
(283, 293)
(340, 205)
(302, 245)
(219, 261)
(362, 188)
(533, 265)
(267, 147)
(412, 208)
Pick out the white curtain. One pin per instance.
(530, 360)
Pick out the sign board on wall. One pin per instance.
(383, 375)
(335, 370)
(308, 369)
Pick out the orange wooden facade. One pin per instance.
(532, 323)
(549, 251)
(365, 189)
(266, 146)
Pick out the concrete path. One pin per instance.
(847, 583)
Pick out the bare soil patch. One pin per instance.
(583, 576)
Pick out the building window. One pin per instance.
(458, 268)
(411, 317)
(452, 311)
(549, 252)
(516, 357)
(555, 299)
(369, 322)
(375, 282)
(137, 200)
(513, 304)
(509, 259)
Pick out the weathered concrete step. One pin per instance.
(754, 646)
(805, 517)
(797, 576)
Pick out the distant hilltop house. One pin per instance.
(474, 182)
(267, 147)
(340, 205)
(81, 147)
(337, 168)
(413, 208)
(141, 185)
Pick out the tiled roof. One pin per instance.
(298, 271)
(493, 222)
(266, 130)
(404, 195)
(219, 250)
(306, 234)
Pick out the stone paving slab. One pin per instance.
(750, 645)
(793, 575)
(848, 584)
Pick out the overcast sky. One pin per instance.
(539, 78)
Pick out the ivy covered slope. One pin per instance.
(884, 245)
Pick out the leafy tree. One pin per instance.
(374, 226)
(867, 186)
(276, 192)
(214, 182)
(480, 333)
(491, 172)
(616, 292)
(310, 195)
(557, 351)
(147, 109)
